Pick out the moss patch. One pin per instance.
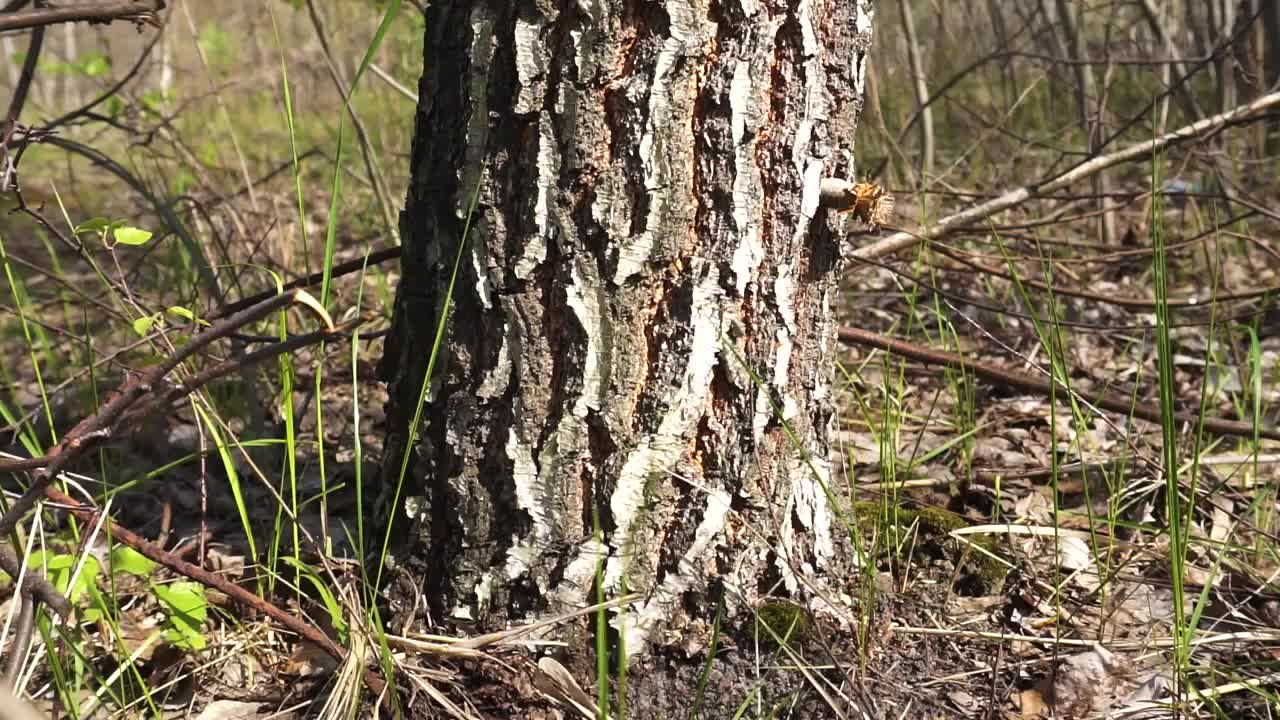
(781, 622)
(890, 526)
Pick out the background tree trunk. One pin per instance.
(1271, 62)
(646, 293)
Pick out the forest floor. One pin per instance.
(1026, 553)
(1018, 559)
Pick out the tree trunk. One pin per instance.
(641, 333)
(1270, 10)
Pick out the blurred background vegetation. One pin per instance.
(201, 124)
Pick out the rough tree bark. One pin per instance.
(643, 314)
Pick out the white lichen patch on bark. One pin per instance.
(586, 307)
(744, 104)
(531, 70)
(482, 46)
(530, 64)
(812, 507)
(687, 33)
(532, 497)
(568, 439)
(535, 250)
(811, 190)
(782, 359)
(784, 304)
(578, 575)
(655, 457)
(697, 562)
(480, 262)
(498, 379)
(469, 174)
(862, 21)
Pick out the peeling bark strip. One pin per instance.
(648, 178)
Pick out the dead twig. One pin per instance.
(8, 128)
(1107, 401)
(106, 424)
(121, 411)
(136, 11)
(213, 580)
(315, 278)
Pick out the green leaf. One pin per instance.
(127, 560)
(185, 610)
(181, 312)
(98, 224)
(326, 595)
(58, 568)
(98, 607)
(127, 235)
(144, 324)
(94, 65)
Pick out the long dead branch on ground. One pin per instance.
(1044, 385)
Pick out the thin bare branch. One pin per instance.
(1139, 151)
(137, 11)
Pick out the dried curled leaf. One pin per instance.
(869, 202)
(872, 204)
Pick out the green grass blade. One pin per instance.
(441, 325)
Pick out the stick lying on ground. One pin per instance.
(1043, 385)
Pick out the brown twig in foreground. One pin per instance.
(195, 572)
(102, 425)
(315, 278)
(107, 423)
(136, 11)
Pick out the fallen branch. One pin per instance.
(138, 397)
(96, 13)
(105, 424)
(1043, 385)
(1138, 303)
(903, 239)
(315, 278)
